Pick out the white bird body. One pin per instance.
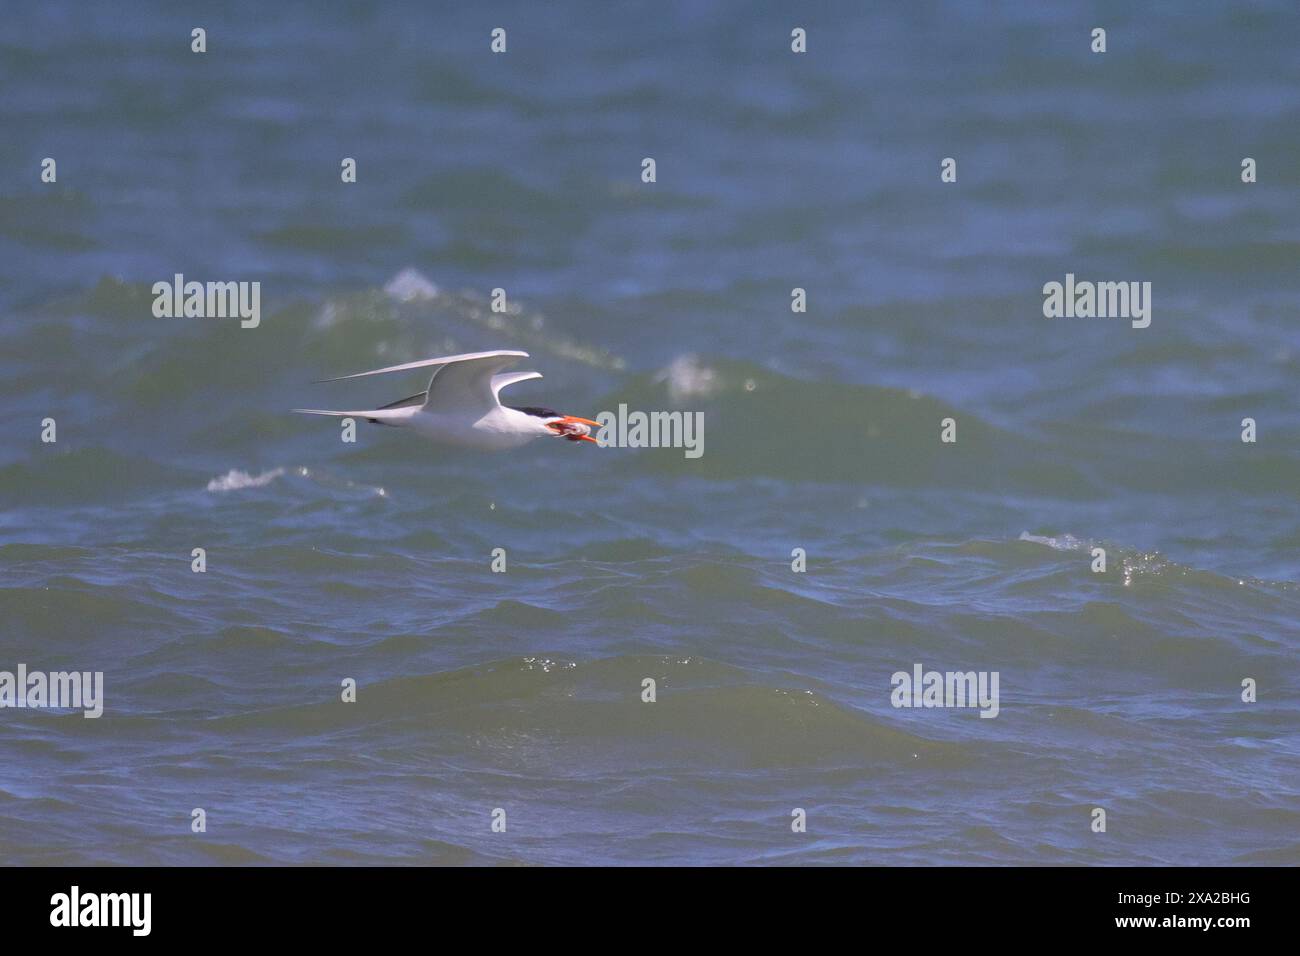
(499, 429)
(462, 405)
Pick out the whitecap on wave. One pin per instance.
(410, 285)
(687, 377)
(1066, 542)
(235, 479)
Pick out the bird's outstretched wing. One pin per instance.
(509, 378)
(467, 385)
(460, 383)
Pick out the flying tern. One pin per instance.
(462, 405)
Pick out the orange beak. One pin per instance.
(562, 429)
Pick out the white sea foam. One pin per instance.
(234, 480)
(410, 285)
(687, 377)
(1066, 542)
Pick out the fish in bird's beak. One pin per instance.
(574, 428)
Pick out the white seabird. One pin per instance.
(462, 405)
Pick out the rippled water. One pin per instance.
(522, 691)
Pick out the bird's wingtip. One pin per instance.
(425, 363)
